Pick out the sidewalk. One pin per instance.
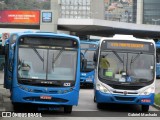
(2, 91)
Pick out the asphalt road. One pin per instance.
(86, 109)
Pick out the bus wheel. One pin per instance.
(100, 106)
(68, 109)
(17, 106)
(145, 108)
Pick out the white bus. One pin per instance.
(125, 71)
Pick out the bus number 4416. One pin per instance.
(46, 97)
(146, 100)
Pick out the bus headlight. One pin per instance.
(148, 91)
(102, 88)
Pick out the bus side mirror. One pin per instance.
(95, 57)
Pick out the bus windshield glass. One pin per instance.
(88, 51)
(52, 64)
(158, 54)
(126, 67)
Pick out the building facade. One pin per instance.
(151, 14)
(129, 11)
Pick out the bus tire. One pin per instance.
(145, 108)
(68, 109)
(17, 106)
(100, 106)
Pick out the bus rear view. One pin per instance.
(125, 72)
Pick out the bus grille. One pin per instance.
(45, 100)
(122, 87)
(121, 92)
(125, 98)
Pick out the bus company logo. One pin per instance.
(125, 92)
(6, 114)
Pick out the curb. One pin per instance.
(156, 106)
(2, 109)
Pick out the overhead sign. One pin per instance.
(20, 16)
(47, 17)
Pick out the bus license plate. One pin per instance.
(46, 97)
(89, 80)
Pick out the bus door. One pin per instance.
(9, 61)
(8, 71)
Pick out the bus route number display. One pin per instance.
(128, 46)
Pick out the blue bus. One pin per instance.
(125, 72)
(43, 68)
(88, 47)
(158, 59)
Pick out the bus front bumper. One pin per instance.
(124, 99)
(21, 96)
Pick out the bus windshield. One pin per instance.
(88, 54)
(158, 54)
(88, 49)
(126, 67)
(53, 64)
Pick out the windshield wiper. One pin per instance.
(134, 59)
(54, 60)
(40, 57)
(86, 50)
(118, 56)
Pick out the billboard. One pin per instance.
(120, 10)
(20, 17)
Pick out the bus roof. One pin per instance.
(89, 42)
(126, 37)
(44, 34)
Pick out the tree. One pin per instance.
(25, 4)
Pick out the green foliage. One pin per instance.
(24, 5)
(157, 99)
